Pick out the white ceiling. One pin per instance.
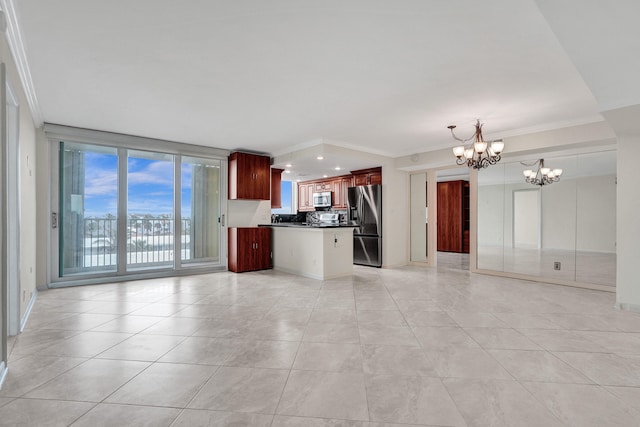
(383, 76)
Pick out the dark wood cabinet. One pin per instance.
(249, 176)
(276, 188)
(249, 248)
(367, 176)
(453, 216)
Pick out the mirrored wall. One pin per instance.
(565, 230)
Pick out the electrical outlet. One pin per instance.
(557, 265)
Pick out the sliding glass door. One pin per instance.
(200, 210)
(88, 209)
(150, 224)
(118, 209)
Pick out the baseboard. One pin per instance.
(27, 312)
(628, 307)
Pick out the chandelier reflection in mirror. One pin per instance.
(480, 153)
(543, 175)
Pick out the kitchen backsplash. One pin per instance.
(315, 216)
(306, 216)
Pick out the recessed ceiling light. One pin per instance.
(298, 180)
(319, 157)
(288, 165)
(287, 171)
(325, 176)
(337, 168)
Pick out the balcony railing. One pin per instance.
(150, 242)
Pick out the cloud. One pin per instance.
(154, 172)
(101, 183)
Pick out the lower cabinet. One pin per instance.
(249, 248)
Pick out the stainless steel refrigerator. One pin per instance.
(365, 211)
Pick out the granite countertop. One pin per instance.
(307, 225)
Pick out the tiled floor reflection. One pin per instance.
(597, 268)
(454, 260)
(387, 347)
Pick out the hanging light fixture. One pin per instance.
(543, 175)
(480, 153)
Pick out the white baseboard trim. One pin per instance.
(3, 373)
(628, 307)
(27, 312)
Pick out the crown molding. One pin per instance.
(14, 39)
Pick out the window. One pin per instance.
(118, 209)
(286, 188)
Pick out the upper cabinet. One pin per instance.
(337, 185)
(276, 188)
(305, 197)
(367, 176)
(340, 192)
(249, 176)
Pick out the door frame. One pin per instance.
(11, 196)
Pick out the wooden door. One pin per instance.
(450, 226)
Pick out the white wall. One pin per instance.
(28, 171)
(526, 219)
(395, 215)
(559, 215)
(491, 215)
(418, 218)
(596, 214)
(43, 204)
(627, 126)
(248, 213)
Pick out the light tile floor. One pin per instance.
(386, 347)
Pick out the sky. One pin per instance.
(150, 186)
(286, 187)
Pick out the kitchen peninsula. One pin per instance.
(318, 251)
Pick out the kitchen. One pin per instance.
(332, 223)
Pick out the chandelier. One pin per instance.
(480, 153)
(543, 175)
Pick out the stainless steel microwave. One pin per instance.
(322, 200)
